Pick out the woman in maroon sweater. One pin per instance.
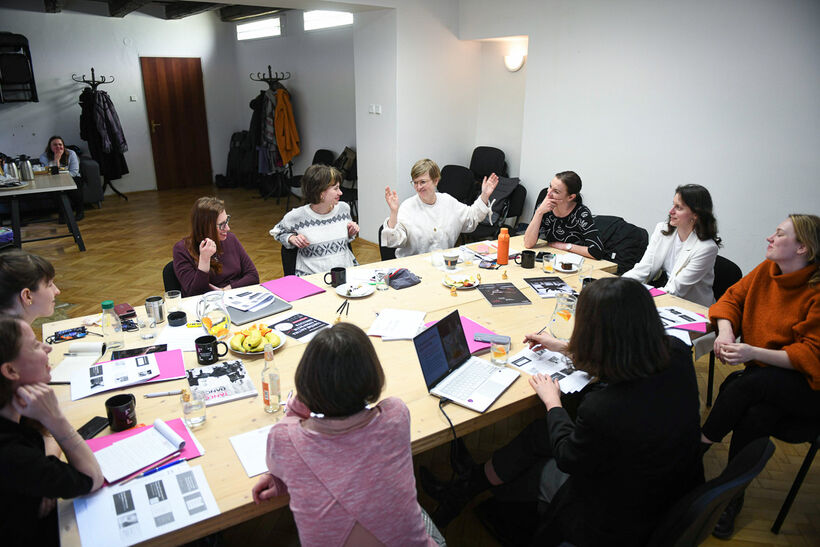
(211, 258)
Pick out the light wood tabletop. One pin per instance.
(42, 183)
(229, 482)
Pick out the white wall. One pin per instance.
(642, 96)
(73, 41)
(321, 85)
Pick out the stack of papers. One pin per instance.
(130, 455)
(392, 324)
(81, 356)
(101, 377)
(553, 365)
(485, 250)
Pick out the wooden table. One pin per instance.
(43, 186)
(429, 428)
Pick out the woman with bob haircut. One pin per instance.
(56, 154)
(681, 254)
(212, 258)
(775, 310)
(632, 450)
(321, 229)
(345, 462)
(27, 286)
(563, 220)
(33, 434)
(431, 219)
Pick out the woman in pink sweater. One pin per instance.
(345, 463)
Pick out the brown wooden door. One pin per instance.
(175, 101)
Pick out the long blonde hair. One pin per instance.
(807, 231)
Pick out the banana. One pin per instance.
(273, 338)
(236, 341)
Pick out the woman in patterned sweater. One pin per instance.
(322, 229)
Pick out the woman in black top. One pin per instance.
(31, 473)
(631, 451)
(563, 220)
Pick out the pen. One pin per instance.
(162, 394)
(161, 467)
(137, 475)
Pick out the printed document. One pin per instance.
(137, 452)
(553, 365)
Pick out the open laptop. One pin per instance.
(450, 372)
(276, 305)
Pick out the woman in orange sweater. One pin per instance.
(776, 311)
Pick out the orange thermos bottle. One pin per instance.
(503, 246)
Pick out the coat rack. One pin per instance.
(272, 79)
(93, 82)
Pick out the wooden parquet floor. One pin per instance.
(129, 243)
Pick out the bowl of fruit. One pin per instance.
(251, 341)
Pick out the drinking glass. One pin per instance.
(563, 320)
(585, 275)
(193, 407)
(173, 301)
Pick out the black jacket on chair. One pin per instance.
(632, 452)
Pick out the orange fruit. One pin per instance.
(206, 321)
(565, 315)
(221, 333)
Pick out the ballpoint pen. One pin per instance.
(162, 394)
(161, 467)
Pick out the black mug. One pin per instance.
(207, 349)
(121, 411)
(55, 169)
(338, 276)
(527, 259)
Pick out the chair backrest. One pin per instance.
(169, 278)
(323, 157)
(387, 253)
(624, 243)
(517, 199)
(727, 273)
(487, 160)
(458, 182)
(541, 195)
(694, 516)
(289, 260)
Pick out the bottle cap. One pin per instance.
(108, 305)
(504, 230)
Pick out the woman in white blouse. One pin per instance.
(683, 249)
(429, 218)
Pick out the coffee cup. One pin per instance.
(338, 276)
(207, 349)
(121, 411)
(55, 169)
(155, 308)
(526, 259)
(450, 260)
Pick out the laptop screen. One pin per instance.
(441, 348)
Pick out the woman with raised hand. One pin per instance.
(31, 473)
(344, 460)
(27, 286)
(431, 219)
(563, 220)
(681, 254)
(775, 310)
(212, 258)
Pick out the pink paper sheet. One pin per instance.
(656, 292)
(190, 451)
(470, 328)
(292, 288)
(694, 327)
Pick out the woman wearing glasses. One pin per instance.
(430, 219)
(212, 258)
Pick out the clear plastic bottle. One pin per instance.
(111, 326)
(271, 393)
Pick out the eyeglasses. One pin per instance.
(223, 225)
(420, 182)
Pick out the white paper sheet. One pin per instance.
(393, 324)
(672, 316)
(113, 375)
(181, 337)
(249, 300)
(145, 508)
(86, 354)
(682, 335)
(552, 364)
(131, 454)
(251, 448)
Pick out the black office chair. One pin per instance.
(387, 253)
(487, 160)
(169, 278)
(624, 243)
(458, 182)
(692, 518)
(321, 157)
(727, 273)
(509, 207)
(521, 227)
(796, 432)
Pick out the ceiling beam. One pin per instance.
(230, 14)
(54, 6)
(121, 8)
(179, 10)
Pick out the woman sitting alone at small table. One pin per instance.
(33, 434)
(775, 309)
(212, 258)
(681, 254)
(345, 461)
(563, 220)
(323, 228)
(430, 219)
(27, 286)
(57, 155)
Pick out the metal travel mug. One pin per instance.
(155, 308)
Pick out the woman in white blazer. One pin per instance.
(683, 248)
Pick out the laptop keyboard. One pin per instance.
(466, 381)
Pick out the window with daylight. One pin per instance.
(263, 28)
(315, 20)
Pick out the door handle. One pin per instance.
(154, 126)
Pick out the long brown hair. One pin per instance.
(50, 154)
(807, 231)
(203, 225)
(699, 200)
